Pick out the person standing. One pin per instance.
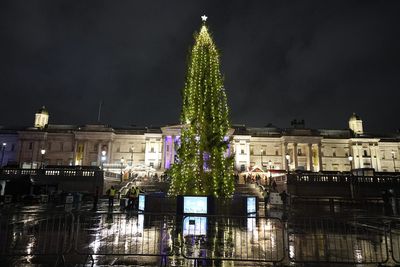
(131, 197)
(266, 199)
(111, 196)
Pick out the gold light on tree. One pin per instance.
(203, 166)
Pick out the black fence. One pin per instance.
(201, 238)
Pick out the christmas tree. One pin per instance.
(203, 166)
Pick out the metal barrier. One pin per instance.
(332, 241)
(201, 237)
(259, 239)
(125, 234)
(336, 205)
(395, 240)
(35, 234)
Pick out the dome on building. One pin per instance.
(43, 110)
(354, 117)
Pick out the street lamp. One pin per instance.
(351, 175)
(393, 158)
(2, 153)
(132, 156)
(261, 159)
(103, 158)
(287, 161)
(122, 164)
(270, 168)
(351, 162)
(42, 151)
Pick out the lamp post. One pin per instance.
(351, 162)
(270, 168)
(351, 175)
(122, 165)
(2, 153)
(261, 158)
(393, 158)
(287, 157)
(42, 151)
(103, 158)
(132, 156)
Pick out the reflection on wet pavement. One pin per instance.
(126, 238)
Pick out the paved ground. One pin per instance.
(76, 229)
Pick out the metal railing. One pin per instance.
(261, 239)
(125, 234)
(27, 234)
(258, 239)
(322, 240)
(342, 178)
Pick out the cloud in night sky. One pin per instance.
(312, 60)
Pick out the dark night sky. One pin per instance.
(312, 60)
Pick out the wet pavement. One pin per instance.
(68, 234)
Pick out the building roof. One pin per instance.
(43, 110)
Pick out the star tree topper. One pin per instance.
(204, 18)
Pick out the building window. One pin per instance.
(151, 164)
(264, 152)
(334, 154)
(299, 152)
(152, 149)
(30, 146)
(346, 154)
(251, 150)
(365, 153)
(242, 168)
(242, 152)
(276, 152)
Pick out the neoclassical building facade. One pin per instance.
(294, 148)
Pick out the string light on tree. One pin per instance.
(203, 166)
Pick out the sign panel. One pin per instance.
(251, 205)
(195, 226)
(142, 202)
(192, 204)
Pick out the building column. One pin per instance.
(295, 155)
(85, 153)
(74, 153)
(99, 153)
(284, 152)
(109, 152)
(320, 157)
(310, 162)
